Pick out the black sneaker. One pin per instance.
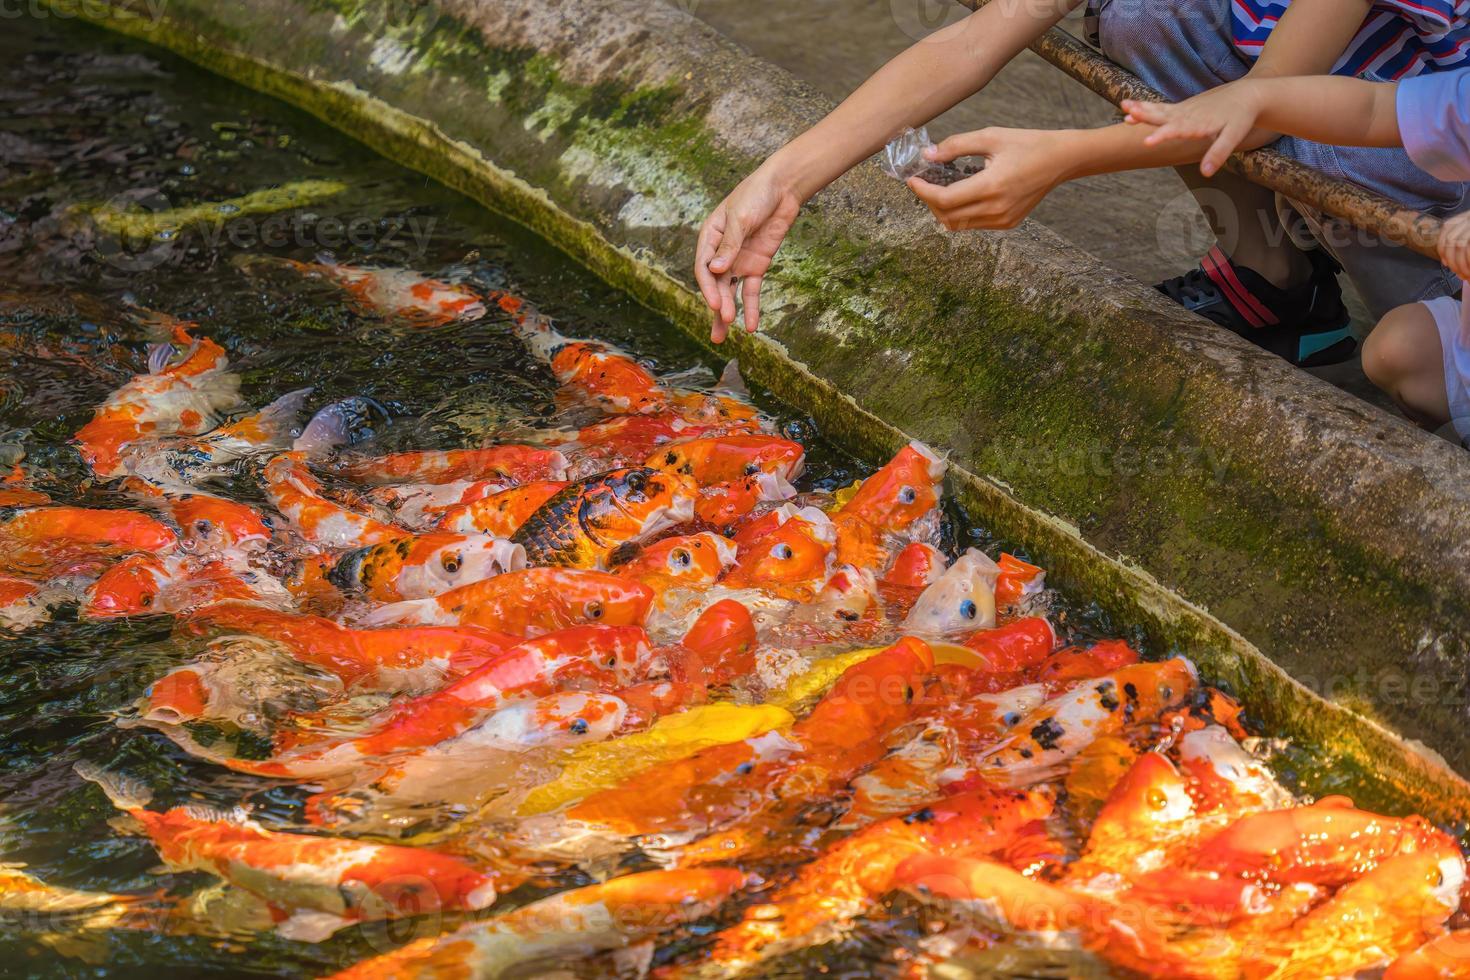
(1307, 324)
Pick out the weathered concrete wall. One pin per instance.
(1187, 482)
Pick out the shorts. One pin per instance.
(1455, 348)
(1183, 47)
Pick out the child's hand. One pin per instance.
(1224, 115)
(1022, 166)
(736, 246)
(1454, 246)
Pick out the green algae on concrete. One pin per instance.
(1303, 548)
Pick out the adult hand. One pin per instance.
(1022, 166)
(737, 243)
(1454, 246)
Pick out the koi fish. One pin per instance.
(596, 373)
(500, 514)
(25, 896)
(1149, 805)
(1224, 778)
(850, 877)
(214, 524)
(528, 602)
(963, 598)
(1067, 667)
(24, 603)
(1049, 737)
(298, 495)
(142, 585)
(585, 523)
(322, 883)
(405, 295)
(892, 500)
(475, 765)
(601, 656)
(999, 898)
(1445, 957)
(48, 540)
(917, 566)
(692, 561)
(725, 459)
(422, 505)
(393, 660)
(789, 561)
(423, 565)
(181, 462)
(1016, 580)
(580, 923)
(174, 398)
(724, 504)
(505, 464)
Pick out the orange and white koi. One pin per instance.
(423, 565)
(181, 462)
(528, 603)
(394, 660)
(687, 561)
(321, 883)
(586, 523)
(724, 504)
(144, 585)
(890, 501)
(174, 398)
(962, 599)
(1224, 779)
(1049, 737)
(214, 524)
(917, 566)
(1016, 580)
(404, 295)
(1067, 667)
(500, 514)
(603, 656)
(423, 505)
(294, 491)
(581, 923)
(47, 541)
(724, 459)
(789, 561)
(597, 373)
(68, 909)
(506, 464)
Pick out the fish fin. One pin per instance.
(213, 814)
(341, 423)
(397, 612)
(125, 792)
(158, 357)
(310, 926)
(127, 825)
(732, 381)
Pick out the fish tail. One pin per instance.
(125, 792)
(410, 611)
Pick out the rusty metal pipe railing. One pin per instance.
(1364, 208)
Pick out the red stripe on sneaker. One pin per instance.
(1219, 269)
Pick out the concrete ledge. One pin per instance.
(1294, 541)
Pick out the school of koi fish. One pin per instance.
(627, 650)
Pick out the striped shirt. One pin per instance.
(1400, 38)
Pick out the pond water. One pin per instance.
(90, 121)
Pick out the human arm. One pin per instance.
(1454, 246)
(741, 236)
(1321, 108)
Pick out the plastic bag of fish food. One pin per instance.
(903, 158)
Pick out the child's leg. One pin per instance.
(1405, 356)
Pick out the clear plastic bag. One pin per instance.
(903, 158)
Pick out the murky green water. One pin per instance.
(88, 119)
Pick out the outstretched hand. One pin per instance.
(1022, 166)
(1225, 116)
(736, 245)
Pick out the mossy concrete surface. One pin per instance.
(1303, 547)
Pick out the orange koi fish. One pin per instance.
(500, 514)
(689, 561)
(1016, 580)
(405, 295)
(1148, 806)
(723, 504)
(625, 440)
(1445, 957)
(917, 566)
(423, 565)
(529, 602)
(393, 660)
(789, 561)
(423, 505)
(586, 523)
(504, 464)
(24, 603)
(297, 494)
(1049, 737)
(322, 883)
(47, 540)
(581, 923)
(25, 896)
(174, 398)
(849, 877)
(1067, 667)
(597, 373)
(905, 489)
(962, 598)
(1011, 651)
(999, 898)
(724, 459)
(609, 657)
(143, 585)
(729, 787)
(213, 524)
(1225, 779)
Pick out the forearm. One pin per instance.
(1310, 38)
(1326, 109)
(917, 85)
(1112, 149)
